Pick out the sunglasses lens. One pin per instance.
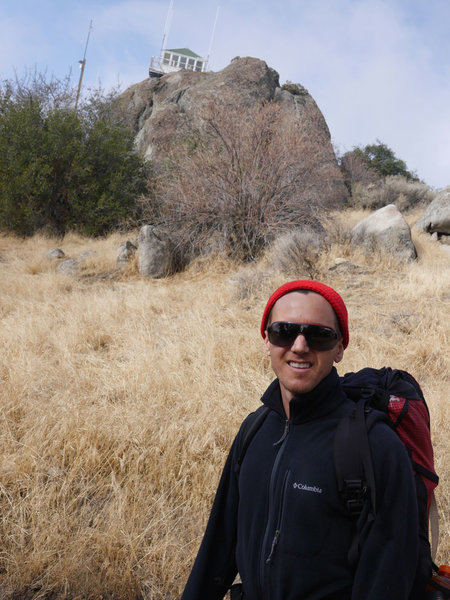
(318, 337)
(321, 338)
(282, 334)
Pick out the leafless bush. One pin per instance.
(245, 176)
(393, 190)
(338, 232)
(356, 171)
(296, 253)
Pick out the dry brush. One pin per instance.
(120, 398)
(239, 179)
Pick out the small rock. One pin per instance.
(56, 253)
(86, 254)
(126, 251)
(67, 267)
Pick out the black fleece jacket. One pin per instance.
(281, 524)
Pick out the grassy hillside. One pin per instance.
(121, 396)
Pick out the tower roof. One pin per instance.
(184, 51)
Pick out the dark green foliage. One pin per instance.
(374, 161)
(375, 177)
(383, 160)
(63, 170)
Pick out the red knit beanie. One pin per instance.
(319, 288)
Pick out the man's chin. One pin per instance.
(299, 389)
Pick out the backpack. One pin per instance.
(395, 397)
(392, 396)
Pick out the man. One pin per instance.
(278, 520)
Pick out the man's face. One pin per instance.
(298, 368)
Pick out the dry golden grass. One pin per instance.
(121, 396)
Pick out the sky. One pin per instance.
(378, 69)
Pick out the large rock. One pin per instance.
(155, 253)
(436, 218)
(162, 110)
(386, 229)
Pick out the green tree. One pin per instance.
(367, 164)
(382, 159)
(64, 170)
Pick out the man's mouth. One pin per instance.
(299, 365)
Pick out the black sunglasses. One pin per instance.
(318, 337)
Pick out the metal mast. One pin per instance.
(82, 65)
(167, 27)
(212, 36)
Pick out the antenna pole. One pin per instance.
(167, 26)
(212, 36)
(82, 65)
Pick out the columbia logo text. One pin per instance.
(307, 488)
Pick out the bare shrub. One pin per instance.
(246, 175)
(296, 253)
(338, 231)
(356, 171)
(396, 189)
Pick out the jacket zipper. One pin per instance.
(280, 517)
(264, 554)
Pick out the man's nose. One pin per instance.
(300, 344)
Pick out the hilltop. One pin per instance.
(161, 111)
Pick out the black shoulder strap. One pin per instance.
(354, 468)
(251, 426)
(353, 460)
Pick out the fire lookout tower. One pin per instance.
(176, 60)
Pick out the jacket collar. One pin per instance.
(324, 398)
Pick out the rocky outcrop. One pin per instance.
(387, 230)
(436, 219)
(162, 110)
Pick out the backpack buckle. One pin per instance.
(355, 493)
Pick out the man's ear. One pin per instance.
(339, 355)
(266, 345)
